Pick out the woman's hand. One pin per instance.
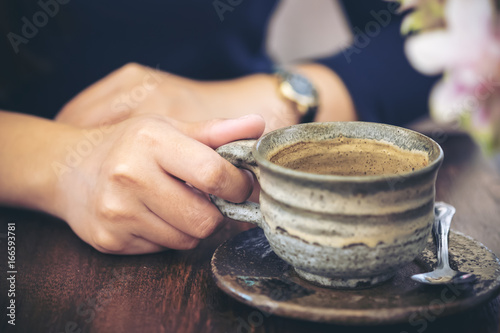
(135, 187)
(142, 189)
(134, 90)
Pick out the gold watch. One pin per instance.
(300, 91)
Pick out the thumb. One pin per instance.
(217, 132)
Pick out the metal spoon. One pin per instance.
(443, 274)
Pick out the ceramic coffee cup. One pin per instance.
(338, 231)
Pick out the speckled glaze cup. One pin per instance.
(338, 231)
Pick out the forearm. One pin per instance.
(259, 94)
(191, 100)
(29, 147)
(252, 94)
(335, 103)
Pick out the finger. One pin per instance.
(142, 246)
(155, 230)
(123, 242)
(254, 197)
(199, 165)
(217, 132)
(183, 207)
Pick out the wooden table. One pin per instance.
(63, 285)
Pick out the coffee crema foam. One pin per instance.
(349, 157)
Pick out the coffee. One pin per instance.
(349, 157)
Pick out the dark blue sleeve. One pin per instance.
(382, 84)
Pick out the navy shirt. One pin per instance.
(86, 40)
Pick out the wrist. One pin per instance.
(300, 91)
(335, 103)
(61, 153)
(30, 147)
(278, 111)
(67, 155)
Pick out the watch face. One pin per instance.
(300, 84)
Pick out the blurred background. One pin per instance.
(307, 29)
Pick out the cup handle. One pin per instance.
(239, 153)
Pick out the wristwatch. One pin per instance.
(297, 89)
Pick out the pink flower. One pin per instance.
(467, 51)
